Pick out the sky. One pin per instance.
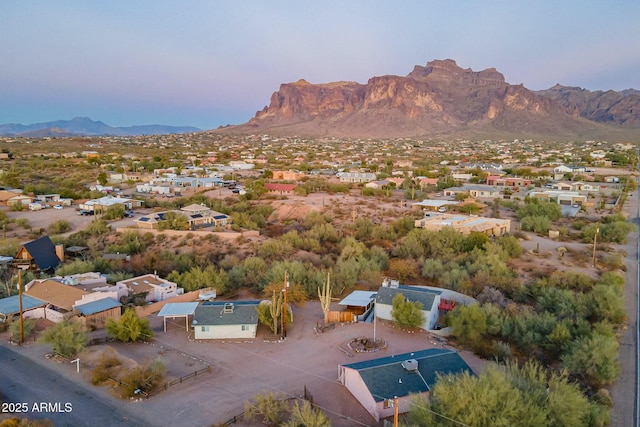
(216, 62)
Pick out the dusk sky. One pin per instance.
(211, 63)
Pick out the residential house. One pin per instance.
(356, 177)
(226, 320)
(465, 224)
(433, 205)
(562, 186)
(476, 191)
(380, 184)
(279, 188)
(197, 216)
(428, 297)
(60, 298)
(377, 383)
(585, 186)
(11, 198)
(462, 177)
(560, 197)
(287, 175)
(427, 182)
(19, 199)
(201, 216)
(151, 286)
(103, 203)
(40, 254)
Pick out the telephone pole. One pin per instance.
(284, 307)
(20, 296)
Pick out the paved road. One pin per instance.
(624, 391)
(66, 403)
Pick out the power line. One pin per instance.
(460, 423)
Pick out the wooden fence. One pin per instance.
(341, 317)
(165, 386)
(186, 377)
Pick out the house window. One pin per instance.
(205, 329)
(245, 327)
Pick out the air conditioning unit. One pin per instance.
(410, 365)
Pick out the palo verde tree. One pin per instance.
(406, 313)
(66, 338)
(129, 328)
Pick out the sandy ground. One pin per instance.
(240, 370)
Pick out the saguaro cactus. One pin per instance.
(325, 298)
(276, 309)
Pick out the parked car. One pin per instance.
(57, 206)
(442, 209)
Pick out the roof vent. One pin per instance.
(410, 365)
(228, 307)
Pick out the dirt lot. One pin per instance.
(242, 369)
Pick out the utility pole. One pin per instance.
(395, 412)
(284, 307)
(595, 239)
(20, 297)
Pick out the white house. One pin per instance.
(428, 297)
(156, 288)
(376, 383)
(226, 320)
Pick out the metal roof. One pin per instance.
(178, 309)
(358, 298)
(11, 305)
(97, 306)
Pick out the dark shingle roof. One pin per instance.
(386, 378)
(425, 296)
(43, 253)
(215, 314)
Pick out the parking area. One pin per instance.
(242, 369)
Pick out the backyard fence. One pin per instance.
(186, 377)
(341, 317)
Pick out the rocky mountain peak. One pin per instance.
(437, 99)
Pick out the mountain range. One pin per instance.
(442, 99)
(87, 127)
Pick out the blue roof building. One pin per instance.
(376, 383)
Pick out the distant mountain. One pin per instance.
(87, 127)
(442, 99)
(611, 107)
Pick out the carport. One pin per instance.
(174, 310)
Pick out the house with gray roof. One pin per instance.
(376, 383)
(428, 297)
(225, 320)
